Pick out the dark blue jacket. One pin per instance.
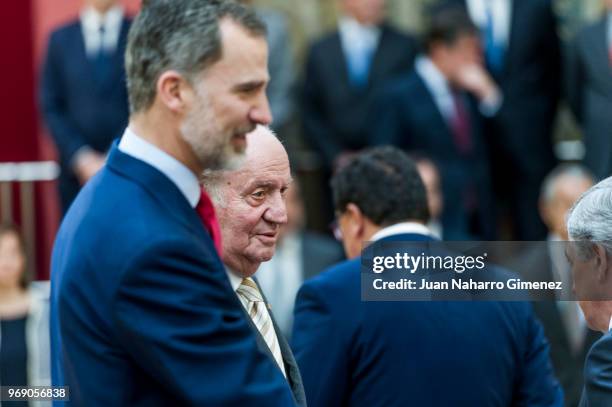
(429, 354)
(598, 374)
(142, 312)
(79, 109)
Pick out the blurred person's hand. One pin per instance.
(88, 164)
(475, 79)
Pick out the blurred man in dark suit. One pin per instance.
(589, 84)
(342, 71)
(437, 109)
(590, 255)
(522, 53)
(83, 91)
(564, 325)
(358, 353)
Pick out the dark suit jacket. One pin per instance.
(318, 253)
(409, 118)
(531, 84)
(462, 354)
(335, 113)
(598, 374)
(568, 364)
(142, 312)
(78, 109)
(590, 94)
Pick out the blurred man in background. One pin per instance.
(564, 325)
(522, 53)
(250, 202)
(359, 353)
(589, 84)
(83, 91)
(435, 109)
(590, 254)
(342, 71)
(431, 179)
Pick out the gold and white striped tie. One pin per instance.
(253, 302)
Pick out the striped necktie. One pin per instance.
(253, 302)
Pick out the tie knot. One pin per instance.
(249, 290)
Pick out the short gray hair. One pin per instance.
(178, 34)
(576, 171)
(589, 221)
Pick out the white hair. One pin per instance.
(590, 219)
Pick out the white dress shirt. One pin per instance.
(501, 13)
(92, 20)
(402, 228)
(438, 86)
(177, 172)
(355, 37)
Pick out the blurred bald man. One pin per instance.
(250, 205)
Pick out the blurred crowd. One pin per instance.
(472, 97)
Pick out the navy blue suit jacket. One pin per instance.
(598, 374)
(460, 354)
(79, 109)
(410, 119)
(142, 312)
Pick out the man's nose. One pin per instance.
(260, 113)
(277, 212)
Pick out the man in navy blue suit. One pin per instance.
(438, 109)
(83, 93)
(588, 227)
(358, 353)
(142, 311)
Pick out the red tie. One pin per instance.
(460, 125)
(206, 211)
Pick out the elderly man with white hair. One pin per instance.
(250, 205)
(589, 226)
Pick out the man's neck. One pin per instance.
(155, 130)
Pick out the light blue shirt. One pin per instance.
(185, 180)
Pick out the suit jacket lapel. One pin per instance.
(337, 58)
(601, 49)
(383, 53)
(117, 58)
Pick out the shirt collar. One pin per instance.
(357, 35)
(92, 19)
(178, 173)
(234, 279)
(610, 325)
(401, 229)
(433, 77)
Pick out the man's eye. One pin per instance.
(258, 194)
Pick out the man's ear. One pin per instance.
(174, 91)
(601, 263)
(356, 220)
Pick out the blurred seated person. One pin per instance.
(431, 179)
(564, 325)
(437, 109)
(24, 316)
(299, 256)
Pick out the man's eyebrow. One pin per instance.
(251, 85)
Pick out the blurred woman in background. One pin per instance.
(24, 318)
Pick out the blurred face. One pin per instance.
(590, 290)
(567, 190)
(253, 204)
(12, 261)
(430, 178)
(229, 99)
(464, 52)
(367, 12)
(101, 6)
